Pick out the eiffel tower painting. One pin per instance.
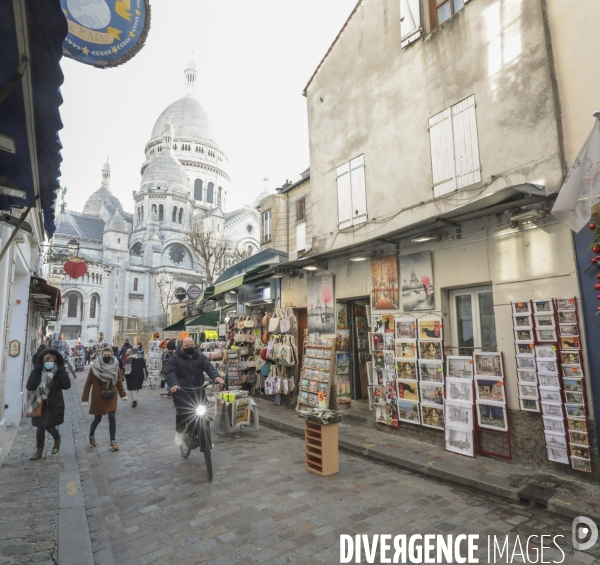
(321, 308)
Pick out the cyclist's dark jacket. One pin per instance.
(188, 370)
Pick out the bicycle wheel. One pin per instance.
(207, 445)
(186, 446)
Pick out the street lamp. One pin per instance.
(73, 247)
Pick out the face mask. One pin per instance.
(189, 350)
(49, 365)
(106, 359)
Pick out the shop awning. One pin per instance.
(230, 284)
(180, 326)
(209, 319)
(46, 298)
(265, 258)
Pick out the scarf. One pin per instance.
(43, 389)
(135, 354)
(106, 372)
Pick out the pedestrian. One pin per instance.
(37, 353)
(104, 380)
(117, 354)
(125, 347)
(135, 374)
(140, 346)
(127, 354)
(47, 380)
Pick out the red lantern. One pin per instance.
(592, 226)
(77, 269)
(597, 286)
(596, 249)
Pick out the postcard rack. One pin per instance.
(321, 446)
(316, 376)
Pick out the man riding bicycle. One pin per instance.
(186, 369)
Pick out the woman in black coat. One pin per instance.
(135, 374)
(47, 380)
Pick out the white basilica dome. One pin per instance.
(189, 120)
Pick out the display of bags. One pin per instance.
(274, 321)
(288, 355)
(270, 347)
(248, 322)
(240, 324)
(265, 320)
(277, 350)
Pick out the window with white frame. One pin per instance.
(454, 148)
(267, 225)
(352, 195)
(410, 22)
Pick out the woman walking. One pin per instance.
(47, 380)
(135, 374)
(104, 380)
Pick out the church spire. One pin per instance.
(167, 135)
(191, 75)
(106, 174)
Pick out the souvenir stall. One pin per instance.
(154, 363)
(79, 357)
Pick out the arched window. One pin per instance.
(93, 307)
(181, 215)
(249, 250)
(154, 208)
(219, 196)
(135, 285)
(72, 306)
(142, 212)
(197, 189)
(174, 146)
(100, 279)
(136, 249)
(174, 214)
(161, 212)
(210, 193)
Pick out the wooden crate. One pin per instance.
(321, 446)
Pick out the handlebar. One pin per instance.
(193, 389)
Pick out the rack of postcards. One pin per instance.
(316, 375)
(153, 363)
(213, 350)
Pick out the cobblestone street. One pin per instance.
(146, 504)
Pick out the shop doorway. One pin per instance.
(358, 347)
(472, 320)
(302, 321)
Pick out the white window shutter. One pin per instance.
(345, 211)
(410, 22)
(442, 153)
(466, 146)
(359, 190)
(301, 236)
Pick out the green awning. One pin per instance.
(180, 326)
(209, 319)
(230, 284)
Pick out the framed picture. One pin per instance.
(408, 412)
(584, 465)
(552, 424)
(459, 414)
(388, 323)
(543, 306)
(459, 389)
(565, 304)
(384, 283)
(575, 411)
(525, 376)
(528, 391)
(526, 362)
(391, 394)
(342, 392)
(417, 281)
(492, 390)
(492, 417)
(580, 451)
(544, 320)
(406, 327)
(572, 397)
(431, 350)
(380, 376)
(431, 371)
(553, 409)
(573, 385)
(579, 438)
(432, 393)
(571, 342)
(378, 360)
(567, 317)
(341, 316)
(379, 394)
(572, 371)
(529, 404)
(460, 367)
(408, 390)
(523, 307)
(380, 414)
(545, 351)
(388, 342)
(488, 365)
(389, 360)
(557, 455)
(405, 348)
(342, 363)
(549, 381)
(554, 439)
(432, 417)
(549, 367)
(549, 394)
(321, 304)
(524, 336)
(570, 358)
(522, 322)
(459, 440)
(546, 335)
(525, 349)
(377, 323)
(566, 330)
(430, 327)
(376, 341)
(407, 370)
(577, 425)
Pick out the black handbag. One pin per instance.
(107, 394)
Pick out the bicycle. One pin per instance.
(197, 430)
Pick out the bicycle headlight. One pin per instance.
(201, 410)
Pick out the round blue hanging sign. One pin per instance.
(105, 33)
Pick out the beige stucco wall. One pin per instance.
(576, 47)
(372, 97)
(293, 196)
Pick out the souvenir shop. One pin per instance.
(456, 343)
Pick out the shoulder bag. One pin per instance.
(274, 322)
(107, 394)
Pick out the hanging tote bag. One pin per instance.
(289, 314)
(240, 324)
(249, 322)
(274, 322)
(288, 354)
(277, 351)
(265, 320)
(285, 323)
(270, 347)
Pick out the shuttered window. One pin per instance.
(352, 194)
(410, 22)
(454, 148)
(301, 237)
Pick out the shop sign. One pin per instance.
(193, 292)
(256, 294)
(180, 293)
(211, 334)
(103, 33)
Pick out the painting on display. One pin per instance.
(342, 363)
(341, 318)
(406, 327)
(384, 283)
(321, 308)
(417, 282)
(343, 392)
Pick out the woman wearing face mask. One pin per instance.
(105, 381)
(135, 374)
(47, 380)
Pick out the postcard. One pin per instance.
(549, 381)
(571, 342)
(459, 414)
(563, 304)
(488, 365)
(570, 358)
(406, 348)
(553, 424)
(573, 385)
(408, 390)
(529, 405)
(492, 390)
(391, 394)
(524, 336)
(557, 455)
(431, 371)
(526, 362)
(545, 351)
(546, 335)
(543, 306)
(584, 465)
(407, 370)
(376, 341)
(567, 317)
(580, 451)
(430, 327)
(549, 367)
(432, 416)
(577, 425)
(492, 417)
(432, 393)
(525, 349)
(526, 376)
(431, 350)
(575, 411)
(572, 397)
(522, 322)
(579, 438)
(408, 411)
(460, 367)
(568, 329)
(379, 394)
(553, 409)
(406, 327)
(459, 440)
(555, 439)
(544, 321)
(378, 359)
(521, 307)
(550, 394)
(528, 391)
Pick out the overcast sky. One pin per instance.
(254, 58)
